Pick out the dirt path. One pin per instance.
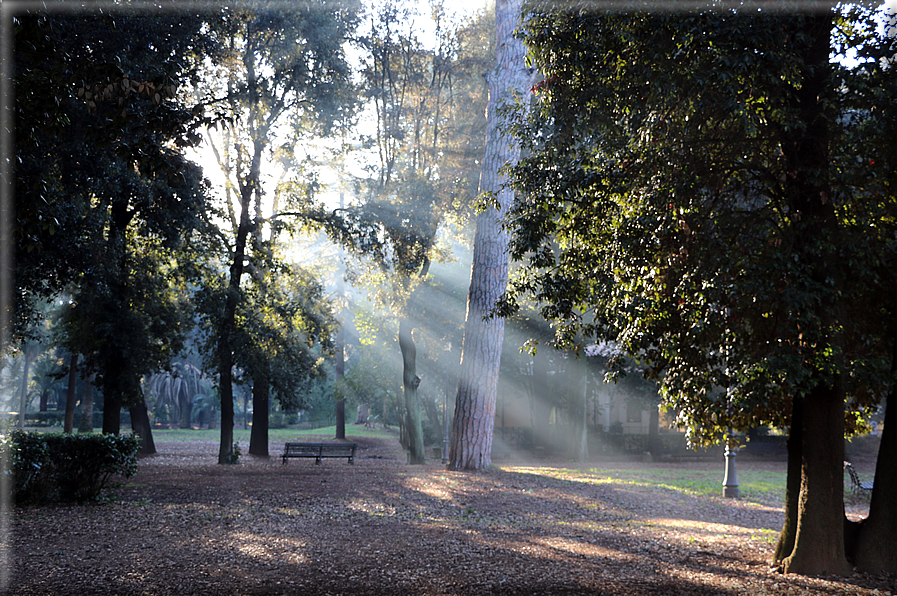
(185, 526)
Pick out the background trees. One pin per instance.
(427, 143)
(105, 201)
(689, 194)
(284, 71)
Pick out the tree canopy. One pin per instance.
(707, 189)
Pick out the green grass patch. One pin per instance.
(275, 435)
(757, 486)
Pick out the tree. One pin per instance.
(286, 66)
(693, 192)
(425, 160)
(105, 201)
(474, 418)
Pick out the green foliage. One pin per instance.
(670, 202)
(234, 455)
(65, 467)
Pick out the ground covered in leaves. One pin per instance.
(186, 526)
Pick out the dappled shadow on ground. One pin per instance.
(184, 525)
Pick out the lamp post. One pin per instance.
(730, 482)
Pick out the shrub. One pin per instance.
(64, 467)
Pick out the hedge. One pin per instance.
(67, 467)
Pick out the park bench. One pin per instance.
(857, 485)
(319, 451)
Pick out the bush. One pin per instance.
(64, 467)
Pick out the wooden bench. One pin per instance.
(858, 485)
(319, 451)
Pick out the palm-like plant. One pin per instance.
(175, 391)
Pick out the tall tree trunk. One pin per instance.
(228, 321)
(819, 536)
(69, 423)
(258, 436)
(876, 546)
(474, 419)
(410, 382)
(785, 545)
(140, 424)
(85, 425)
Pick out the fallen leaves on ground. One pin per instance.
(187, 526)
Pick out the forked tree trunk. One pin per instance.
(474, 419)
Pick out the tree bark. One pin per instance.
(69, 423)
(474, 419)
(785, 545)
(410, 382)
(258, 436)
(228, 321)
(140, 424)
(111, 414)
(876, 542)
(819, 537)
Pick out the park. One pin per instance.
(540, 270)
(187, 526)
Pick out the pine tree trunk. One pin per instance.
(474, 419)
(258, 436)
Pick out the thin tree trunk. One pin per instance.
(340, 369)
(474, 419)
(785, 545)
(258, 436)
(85, 425)
(228, 324)
(69, 423)
(30, 353)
